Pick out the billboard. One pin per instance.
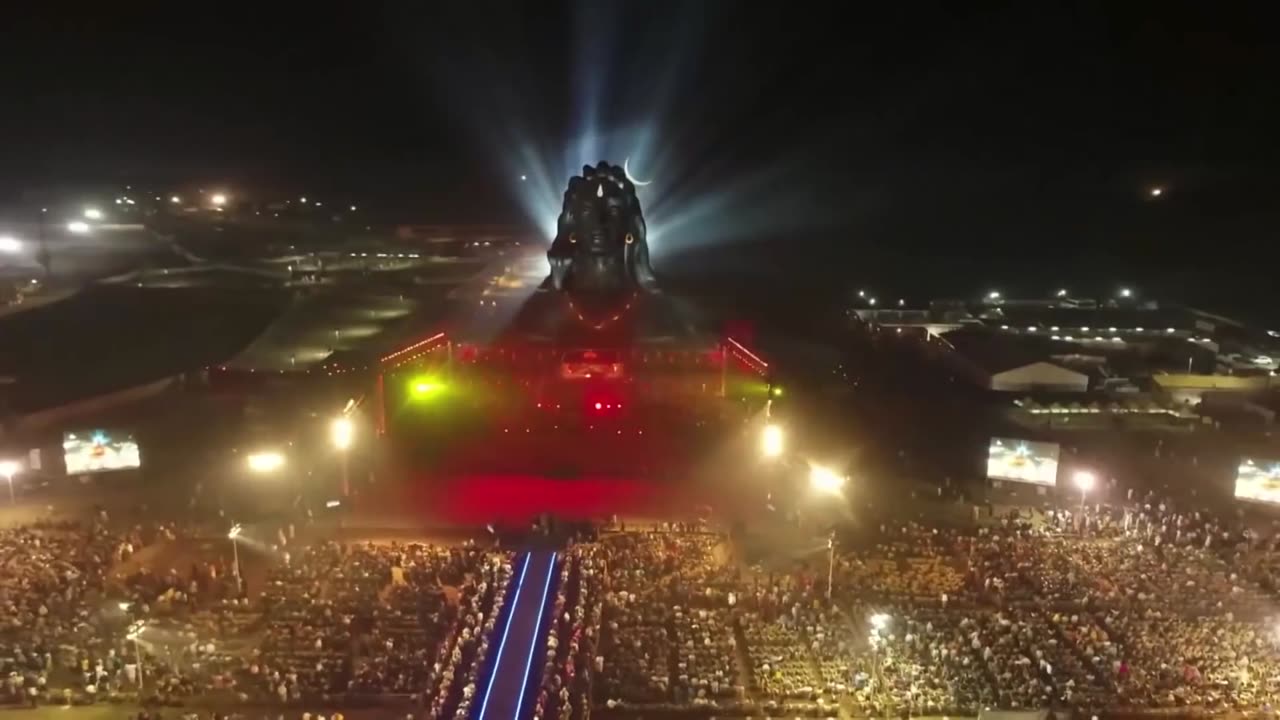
(1023, 461)
(1258, 480)
(94, 451)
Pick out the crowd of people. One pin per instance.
(54, 584)
(1137, 607)
(667, 636)
(1140, 608)
(333, 623)
(573, 630)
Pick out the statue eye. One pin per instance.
(630, 238)
(573, 237)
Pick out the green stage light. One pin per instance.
(422, 387)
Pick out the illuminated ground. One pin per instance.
(132, 307)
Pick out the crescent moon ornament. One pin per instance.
(626, 169)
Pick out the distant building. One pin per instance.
(1039, 376)
(1004, 363)
(1187, 389)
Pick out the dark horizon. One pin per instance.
(1015, 132)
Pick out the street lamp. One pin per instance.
(135, 634)
(10, 245)
(1085, 480)
(879, 621)
(92, 213)
(265, 462)
(235, 548)
(831, 561)
(218, 200)
(1062, 292)
(1126, 292)
(175, 199)
(993, 295)
(342, 433)
(825, 480)
(9, 468)
(771, 443)
(79, 227)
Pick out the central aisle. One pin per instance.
(505, 691)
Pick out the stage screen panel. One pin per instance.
(1258, 480)
(1023, 461)
(94, 451)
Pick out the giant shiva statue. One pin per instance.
(600, 244)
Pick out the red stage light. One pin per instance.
(598, 406)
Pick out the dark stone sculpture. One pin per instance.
(600, 243)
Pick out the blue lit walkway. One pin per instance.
(519, 639)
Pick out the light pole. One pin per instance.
(9, 468)
(235, 549)
(831, 561)
(342, 433)
(42, 255)
(879, 622)
(135, 632)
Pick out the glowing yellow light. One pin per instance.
(771, 441)
(341, 432)
(825, 480)
(265, 462)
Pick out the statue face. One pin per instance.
(600, 236)
(599, 214)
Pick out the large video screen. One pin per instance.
(1258, 480)
(94, 451)
(1023, 461)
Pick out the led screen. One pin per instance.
(95, 451)
(1258, 480)
(1023, 461)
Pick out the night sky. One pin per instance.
(1010, 133)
